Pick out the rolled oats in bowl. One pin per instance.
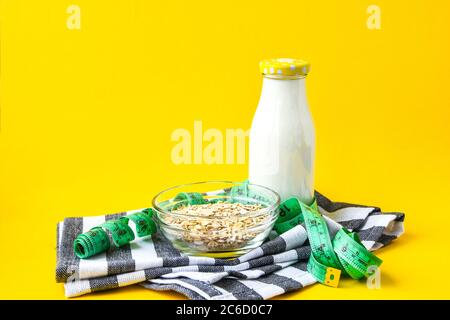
(218, 219)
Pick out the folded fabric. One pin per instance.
(276, 267)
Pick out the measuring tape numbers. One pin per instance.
(344, 254)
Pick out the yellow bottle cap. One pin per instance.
(284, 67)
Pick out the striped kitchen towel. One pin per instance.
(276, 267)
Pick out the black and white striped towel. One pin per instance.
(276, 267)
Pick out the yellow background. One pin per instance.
(86, 118)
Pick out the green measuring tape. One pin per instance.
(97, 240)
(329, 257)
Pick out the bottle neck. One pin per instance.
(290, 89)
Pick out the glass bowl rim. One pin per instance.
(270, 208)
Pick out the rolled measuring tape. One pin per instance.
(188, 198)
(97, 240)
(329, 257)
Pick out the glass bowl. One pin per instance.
(220, 219)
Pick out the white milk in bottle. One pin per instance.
(282, 138)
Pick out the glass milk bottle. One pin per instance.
(282, 138)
